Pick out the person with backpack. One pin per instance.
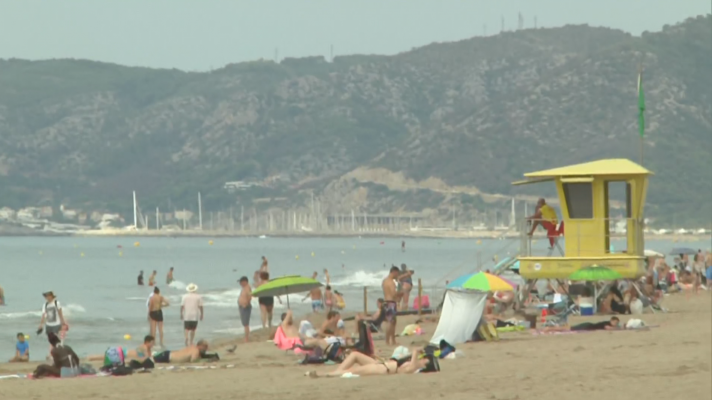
(52, 321)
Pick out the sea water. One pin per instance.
(95, 279)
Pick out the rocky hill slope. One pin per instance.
(472, 114)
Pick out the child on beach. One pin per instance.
(22, 349)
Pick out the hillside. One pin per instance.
(474, 114)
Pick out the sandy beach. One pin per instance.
(672, 360)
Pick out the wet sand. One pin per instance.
(671, 361)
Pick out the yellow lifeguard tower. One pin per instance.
(583, 191)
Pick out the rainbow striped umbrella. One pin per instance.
(482, 281)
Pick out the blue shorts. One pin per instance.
(317, 305)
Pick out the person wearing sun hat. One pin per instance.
(191, 308)
(52, 321)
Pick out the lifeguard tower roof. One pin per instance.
(612, 167)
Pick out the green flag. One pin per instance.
(641, 105)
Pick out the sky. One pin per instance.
(200, 35)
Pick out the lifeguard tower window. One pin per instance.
(618, 196)
(579, 199)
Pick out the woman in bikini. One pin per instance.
(362, 365)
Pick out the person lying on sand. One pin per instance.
(141, 353)
(362, 365)
(612, 325)
(188, 354)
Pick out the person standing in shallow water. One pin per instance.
(140, 278)
(169, 276)
(152, 278)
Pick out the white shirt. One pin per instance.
(51, 313)
(191, 304)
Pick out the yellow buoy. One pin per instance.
(27, 337)
(127, 336)
(121, 253)
(40, 252)
(296, 257)
(312, 254)
(136, 244)
(210, 243)
(81, 255)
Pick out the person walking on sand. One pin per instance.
(152, 279)
(52, 319)
(390, 306)
(191, 308)
(155, 313)
(169, 276)
(244, 304)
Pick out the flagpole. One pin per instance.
(641, 113)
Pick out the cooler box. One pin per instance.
(426, 302)
(586, 310)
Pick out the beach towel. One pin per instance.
(284, 343)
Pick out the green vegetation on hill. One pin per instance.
(478, 112)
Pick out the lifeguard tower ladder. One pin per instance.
(583, 191)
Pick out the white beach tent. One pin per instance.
(460, 316)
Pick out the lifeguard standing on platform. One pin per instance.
(546, 216)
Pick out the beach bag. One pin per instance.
(114, 356)
(433, 366)
(334, 352)
(121, 370)
(146, 364)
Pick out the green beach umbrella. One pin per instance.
(286, 285)
(595, 273)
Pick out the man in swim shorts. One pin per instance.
(188, 354)
(316, 297)
(155, 313)
(390, 305)
(245, 306)
(545, 216)
(191, 309)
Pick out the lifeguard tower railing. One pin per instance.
(612, 241)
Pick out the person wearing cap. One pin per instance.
(52, 320)
(191, 308)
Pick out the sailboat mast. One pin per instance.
(200, 212)
(134, 210)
